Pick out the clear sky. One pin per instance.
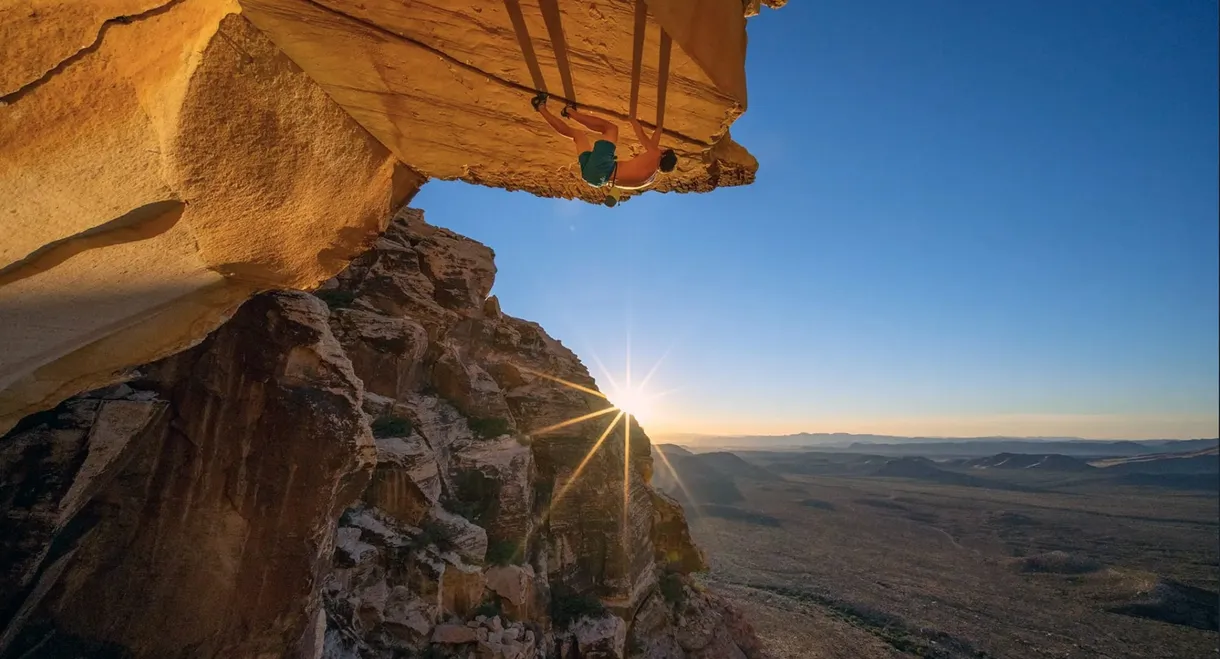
(970, 218)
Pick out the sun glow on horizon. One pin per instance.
(627, 401)
(633, 401)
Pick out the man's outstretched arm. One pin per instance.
(652, 143)
(656, 138)
(645, 141)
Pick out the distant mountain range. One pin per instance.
(1195, 470)
(941, 447)
(704, 478)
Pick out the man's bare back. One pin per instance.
(639, 171)
(598, 163)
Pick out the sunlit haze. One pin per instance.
(968, 220)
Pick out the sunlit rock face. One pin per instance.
(159, 163)
(163, 160)
(447, 87)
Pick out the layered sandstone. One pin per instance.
(159, 163)
(447, 88)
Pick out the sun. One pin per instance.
(632, 400)
(627, 400)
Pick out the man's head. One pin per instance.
(669, 160)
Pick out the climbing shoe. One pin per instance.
(569, 106)
(539, 100)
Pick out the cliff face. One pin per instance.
(163, 160)
(166, 163)
(408, 469)
(191, 511)
(507, 514)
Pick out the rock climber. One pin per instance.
(598, 165)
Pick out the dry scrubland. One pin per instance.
(1010, 565)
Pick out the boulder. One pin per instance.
(349, 545)
(407, 616)
(513, 583)
(453, 634)
(461, 588)
(414, 457)
(438, 422)
(406, 483)
(459, 534)
(470, 388)
(603, 637)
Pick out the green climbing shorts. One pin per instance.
(597, 166)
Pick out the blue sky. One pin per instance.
(970, 218)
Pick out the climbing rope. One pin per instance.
(637, 64)
(637, 55)
(554, 28)
(523, 40)
(663, 78)
(554, 25)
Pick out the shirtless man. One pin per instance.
(598, 165)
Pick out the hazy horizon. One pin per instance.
(1124, 428)
(677, 437)
(969, 219)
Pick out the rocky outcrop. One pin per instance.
(247, 498)
(488, 432)
(482, 396)
(190, 512)
(754, 6)
(163, 160)
(671, 536)
(682, 621)
(601, 637)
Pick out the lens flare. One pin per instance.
(627, 400)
